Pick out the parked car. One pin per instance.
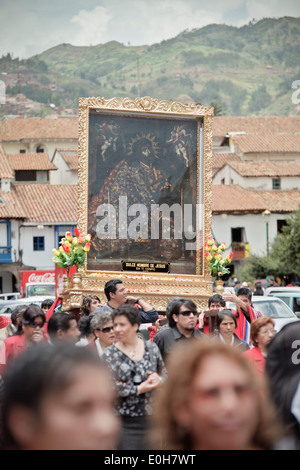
(10, 296)
(272, 307)
(292, 300)
(277, 289)
(289, 295)
(7, 306)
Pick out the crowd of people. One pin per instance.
(122, 376)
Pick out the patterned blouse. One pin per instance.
(128, 374)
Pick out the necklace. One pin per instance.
(132, 352)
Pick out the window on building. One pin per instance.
(276, 183)
(280, 224)
(238, 235)
(60, 232)
(38, 243)
(22, 151)
(25, 175)
(42, 176)
(40, 149)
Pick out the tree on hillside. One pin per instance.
(218, 107)
(259, 99)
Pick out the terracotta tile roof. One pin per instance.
(268, 143)
(256, 125)
(15, 129)
(220, 159)
(270, 169)
(10, 207)
(48, 202)
(30, 161)
(235, 199)
(71, 158)
(38, 128)
(6, 170)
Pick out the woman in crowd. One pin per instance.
(86, 333)
(261, 333)
(225, 326)
(89, 304)
(30, 333)
(212, 400)
(67, 404)
(46, 304)
(103, 330)
(138, 368)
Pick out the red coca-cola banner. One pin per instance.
(43, 277)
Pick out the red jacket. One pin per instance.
(12, 347)
(255, 356)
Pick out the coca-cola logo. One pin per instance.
(60, 284)
(47, 277)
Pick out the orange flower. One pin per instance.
(69, 236)
(208, 256)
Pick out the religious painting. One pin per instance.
(145, 188)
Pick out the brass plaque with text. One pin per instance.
(148, 267)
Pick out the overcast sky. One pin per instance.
(29, 27)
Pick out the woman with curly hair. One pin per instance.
(89, 304)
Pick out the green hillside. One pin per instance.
(244, 71)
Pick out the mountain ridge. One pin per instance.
(242, 71)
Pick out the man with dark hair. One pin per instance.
(116, 294)
(63, 328)
(182, 319)
(237, 285)
(215, 302)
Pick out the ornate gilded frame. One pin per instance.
(156, 288)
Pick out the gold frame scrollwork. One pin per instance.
(157, 288)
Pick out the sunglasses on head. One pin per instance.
(106, 329)
(186, 313)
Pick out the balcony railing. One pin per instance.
(238, 250)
